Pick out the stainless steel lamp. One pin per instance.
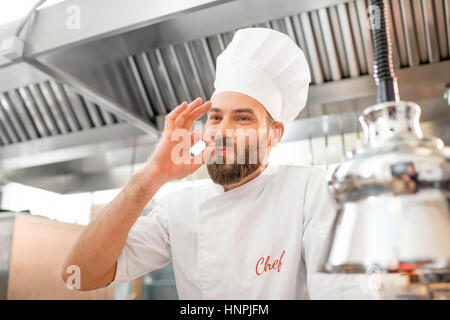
(394, 196)
(394, 192)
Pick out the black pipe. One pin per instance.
(383, 67)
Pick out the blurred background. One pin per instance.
(85, 86)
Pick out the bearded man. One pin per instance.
(256, 230)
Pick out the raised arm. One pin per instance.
(99, 246)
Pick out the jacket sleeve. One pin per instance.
(147, 247)
(319, 214)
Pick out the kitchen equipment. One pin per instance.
(394, 191)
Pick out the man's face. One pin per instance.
(241, 128)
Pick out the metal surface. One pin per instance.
(410, 41)
(75, 181)
(140, 66)
(340, 119)
(101, 158)
(415, 83)
(173, 64)
(79, 163)
(118, 84)
(72, 146)
(156, 24)
(394, 196)
(142, 69)
(393, 193)
(430, 31)
(45, 109)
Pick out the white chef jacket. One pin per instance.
(265, 239)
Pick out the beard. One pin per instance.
(224, 173)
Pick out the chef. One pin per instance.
(255, 230)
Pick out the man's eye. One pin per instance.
(243, 118)
(214, 118)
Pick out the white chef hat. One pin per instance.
(268, 66)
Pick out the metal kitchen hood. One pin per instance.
(125, 68)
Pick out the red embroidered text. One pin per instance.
(264, 264)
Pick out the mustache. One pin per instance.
(224, 142)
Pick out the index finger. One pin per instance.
(197, 113)
(175, 112)
(183, 117)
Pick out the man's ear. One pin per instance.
(276, 133)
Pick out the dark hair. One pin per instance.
(269, 119)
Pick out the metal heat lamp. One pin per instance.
(394, 191)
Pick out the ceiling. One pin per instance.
(84, 103)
